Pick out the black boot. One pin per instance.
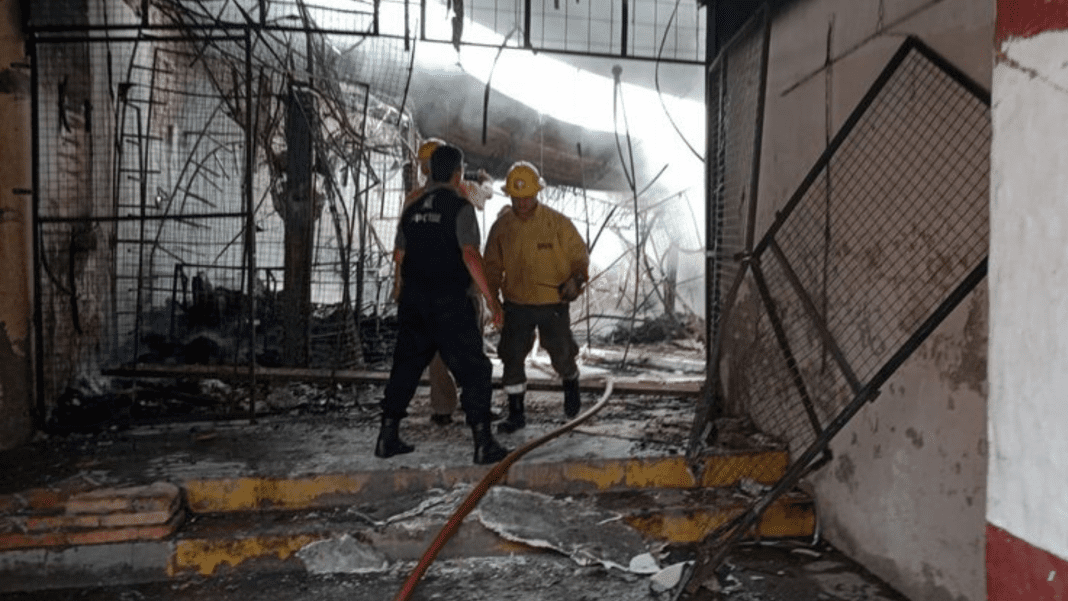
(389, 442)
(487, 450)
(572, 400)
(516, 418)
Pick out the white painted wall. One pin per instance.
(1028, 413)
(905, 494)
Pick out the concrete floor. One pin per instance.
(256, 495)
(752, 573)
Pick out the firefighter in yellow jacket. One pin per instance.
(443, 394)
(537, 261)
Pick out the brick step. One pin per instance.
(79, 516)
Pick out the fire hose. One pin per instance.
(482, 488)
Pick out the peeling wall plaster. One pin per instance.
(905, 494)
(916, 458)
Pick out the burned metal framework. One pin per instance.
(172, 169)
(216, 182)
(175, 144)
(886, 235)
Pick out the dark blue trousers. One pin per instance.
(439, 320)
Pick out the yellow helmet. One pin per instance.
(426, 150)
(523, 180)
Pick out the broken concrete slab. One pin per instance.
(669, 577)
(342, 555)
(577, 529)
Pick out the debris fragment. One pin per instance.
(752, 487)
(441, 503)
(576, 529)
(342, 555)
(809, 552)
(668, 578)
(644, 564)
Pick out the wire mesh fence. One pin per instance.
(151, 221)
(664, 29)
(218, 183)
(736, 86)
(887, 233)
(207, 196)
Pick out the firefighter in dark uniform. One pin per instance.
(437, 254)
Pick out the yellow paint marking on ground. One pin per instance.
(243, 494)
(726, 470)
(679, 528)
(604, 477)
(788, 518)
(659, 473)
(206, 556)
(783, 519)
(673, 472)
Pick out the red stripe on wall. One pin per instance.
(1017, 571)
(1025, 18)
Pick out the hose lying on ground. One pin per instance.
(480, 490)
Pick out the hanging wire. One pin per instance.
(489, 81)
(408, 81)
(660, 94)
(631, 175)
(589, 249)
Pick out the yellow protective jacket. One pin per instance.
(527, 260)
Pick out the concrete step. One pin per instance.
(278, 493)
(369, 538)
(572, 475)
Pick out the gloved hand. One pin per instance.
(570, 288)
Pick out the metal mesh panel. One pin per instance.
(886, 235)
(736, 83)
(774, 403)
(904, 216)
(669, 30)
(59, 13)
(141, 164)
(665, 29)
(144, 201)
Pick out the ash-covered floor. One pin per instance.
(775, 571)
(187, 432)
